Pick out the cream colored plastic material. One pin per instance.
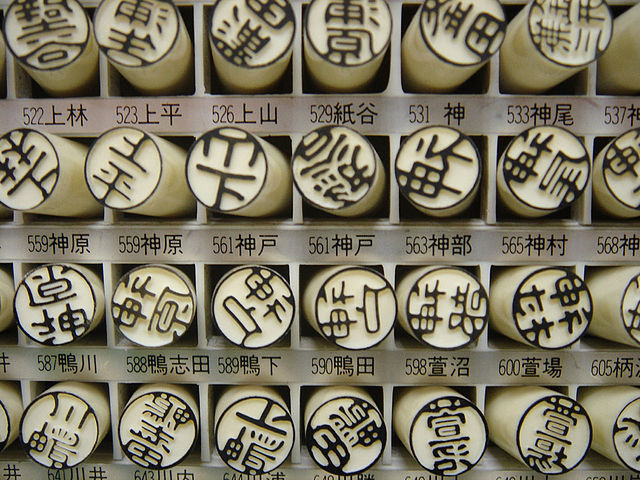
(342, 50)
(614, 412)
(616, 176)
(350, 306)
(619, 65)
(52, 182)
(78, 411)
(258, 66)
(6, 300)
(253, 412)
(159, 407)
(545, 45)
(616, 301)
(150, 47)
(338, 171)
(55, 45)
(545, 307)
(337, 443)
(439, 54)
(10, 413)
(547, 431)
(234, 172)
(132, 171)
(59, 304)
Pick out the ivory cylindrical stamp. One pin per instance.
(438, 170)
(547, 42)
(345, 41)
(350, 306)
(615, 414)
(159, 425)
(59, 303)
(64, 425)
(251, 43)
(133, 171)
(338, 171)
(253, 306)
(54, 44)
(148, 43)
(442, 307)
(616, 304)
(548, 432)
(616, 176)
(344, 429)
(6, 300)
(544, 169)
(153, 305)
(42, 173)
(545, 307)
(10, 413)
(253, 428)
(444, 45)
(234, 172)
(619, 66)
(444, 432)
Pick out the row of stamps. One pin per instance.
(344, 44)
(343, 427)
(336, 170)
(350, 307)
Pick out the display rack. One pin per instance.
(392, 240)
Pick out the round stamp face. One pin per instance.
(253, 306)
(346, 435)
(46, 35)
(348, 32)
(355, 308)
(630, 308)
(626, 435)
(153, 305)
(254, 435)
(464, 32)
(29, 169)
(546, 168)
(59, 430)
(252, 33)
(438, 168)
(334, 167)
(55, 304)
(554, 435)
(571, 33)
(552, 308)
(448, 436)
(447, 308)
(123, 168)
(226, 169)
(157, 430)
(136, 33)
(621, 169)
(5, 427)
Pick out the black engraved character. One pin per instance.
(454, 17)
(521, 168)
(23, 163)
(528, 304)
(149, 444)
(172, 312)
(425, 318)
(633, 324)
(246, 43)
(561, 178)
(431, 10)
(471, 310)
(129, 312)
(117, 178)
(568, 290)
(224, 174)
(346, 46)
(551, 32)
(243, 316)
(629, 429)
(327, 448)
(275, 13)
(426, 178)
(135, 11)
(485, 35)
(339, 322)
(356, 425)
(131, 44)
(334, 166)
(259, 283)
(369, 308)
